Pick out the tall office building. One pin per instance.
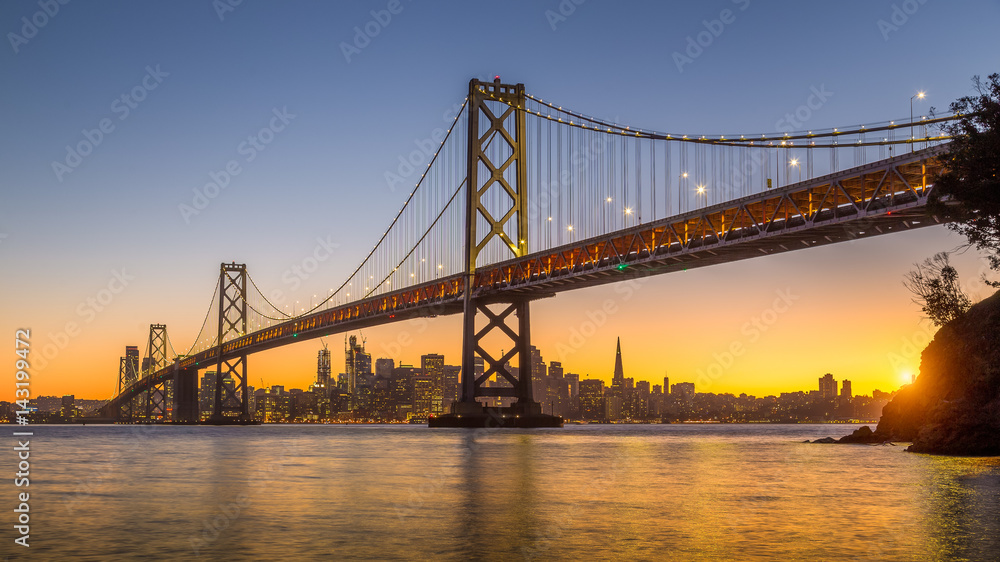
(323, 369)
(592, 400)
(131, 362)
(618, 379)
(357, 367)
(401, 392)
(130, 368)
(558, 390)
(573, 380)
(432, 367)
(206, 395)
(539, 385)
(319, 405)
(422, 396)
(683, 391)
(451, 376)
(363, 365)
(384, 367)
(827, 387)
(640, 400)
(555, 369)
(845, 389)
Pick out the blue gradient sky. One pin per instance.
(323, 176)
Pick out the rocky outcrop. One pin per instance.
(863, 434)
(953, 408)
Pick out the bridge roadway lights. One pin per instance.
(475, 415)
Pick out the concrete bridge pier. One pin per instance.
(185, 395)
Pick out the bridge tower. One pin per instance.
(231, 400)
(156, 355)
(491, 167)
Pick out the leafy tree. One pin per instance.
(934, 284)
(968, 192)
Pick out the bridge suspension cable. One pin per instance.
(426, 233)
(576, 119)
(208, 314)
(409, 237)
(592, 176)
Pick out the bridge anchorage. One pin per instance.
(504, 168)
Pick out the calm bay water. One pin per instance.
(656, 492)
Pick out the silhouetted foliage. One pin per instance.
(934, 284)
(968, 193)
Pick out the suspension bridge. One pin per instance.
(524, 199)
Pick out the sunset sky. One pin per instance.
(110, 221)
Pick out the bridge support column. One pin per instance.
(231, 400)
(156, 357)
(511, 320)
(185, 395)
(497, 169)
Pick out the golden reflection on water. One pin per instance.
(584, 492)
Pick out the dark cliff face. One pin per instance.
(953, 407)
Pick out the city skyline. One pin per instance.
(383, 391)
(609, 380)
(108, 248)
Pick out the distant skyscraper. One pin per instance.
(422, 395)
(384, 367)
(618, 379)
(619, 375)
(845, 389)
(666, 385)
(358, 365)
(131, 362)
(538, 370)
(573, 380)
(539, 386)
(683, 390)
(827, 387)
(640, 400)
(555, 369)
(432, 366)
(592, 399)
(401, 391)
(206, 395)
(451, 375)
(323, 369)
